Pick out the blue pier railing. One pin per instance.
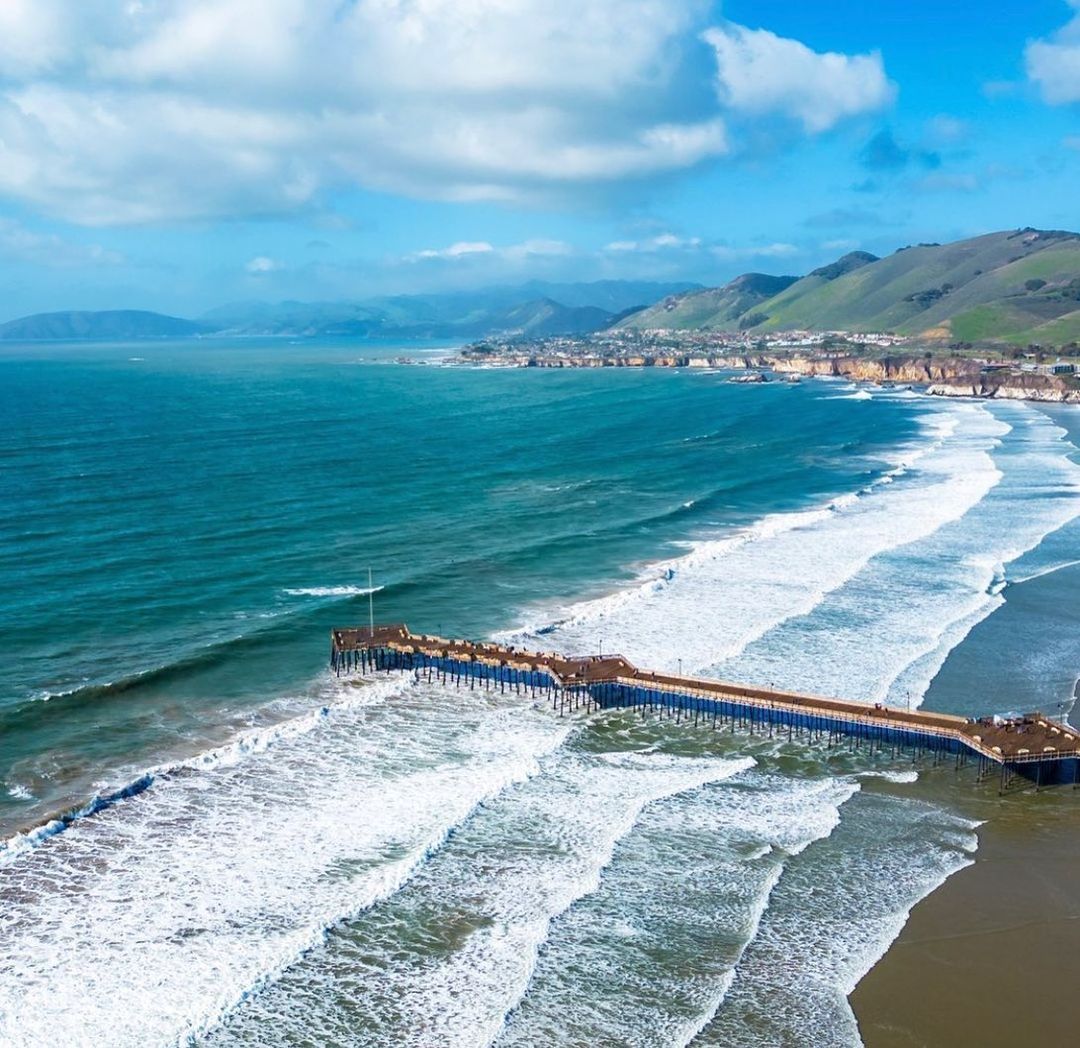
(595, 683)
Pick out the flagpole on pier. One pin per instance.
(371, 602)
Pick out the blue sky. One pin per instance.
(179, 154)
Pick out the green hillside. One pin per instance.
(1017, 287)
(721, 308)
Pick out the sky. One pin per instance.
(177, 155)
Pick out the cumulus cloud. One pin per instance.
(1054, 64)
(176, 109)
(760, 72)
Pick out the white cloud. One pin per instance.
(539, 248)
(1054, 64)
(181, 109)
(760, 72)
(669, 243)
(660, 242)
(471, 249)
(47, 249)
(458, 250)
(32, 36)
(263, 264)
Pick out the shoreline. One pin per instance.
(993, 378)
(988, 955)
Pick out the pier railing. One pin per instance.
(1032, 745)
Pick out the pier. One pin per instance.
(1031, 748)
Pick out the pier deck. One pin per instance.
(1032, 745)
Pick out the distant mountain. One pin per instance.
(122, 324)
(616, 296)
(536, 308)
(1015, 287)
(547, 317)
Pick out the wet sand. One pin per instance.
(993, 956)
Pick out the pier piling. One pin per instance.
(1032, 748)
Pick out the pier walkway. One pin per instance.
(1032, 746)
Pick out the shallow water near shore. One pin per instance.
(304, 858)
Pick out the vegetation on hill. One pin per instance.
(723, 307)
(1016, 287)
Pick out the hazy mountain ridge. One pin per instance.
(1017, 286)
(120, 324)
(535, 308)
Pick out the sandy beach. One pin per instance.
(992, 956)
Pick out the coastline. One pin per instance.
(942, 376)
(988, 955)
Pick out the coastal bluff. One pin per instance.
(946, 377)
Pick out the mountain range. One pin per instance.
(1011, 288)
(1016, 287)
(533, 309)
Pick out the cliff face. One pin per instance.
(1047, 392)
(888, 369)
(944, 377)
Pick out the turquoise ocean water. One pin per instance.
(256, 852)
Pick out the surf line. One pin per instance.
(1031, 748)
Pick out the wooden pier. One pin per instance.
(1032, 746)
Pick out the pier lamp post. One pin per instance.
(680, 667)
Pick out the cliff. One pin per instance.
(947, 377)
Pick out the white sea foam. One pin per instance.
(1048, 569)
(602, 858)
(525, 858)
(247, 743)
(711, 604)
(901, 777)
(333, 591)
(836, 909)
(693, 879)
(922, 598)
(268, 852)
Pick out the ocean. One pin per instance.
(209, 839)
